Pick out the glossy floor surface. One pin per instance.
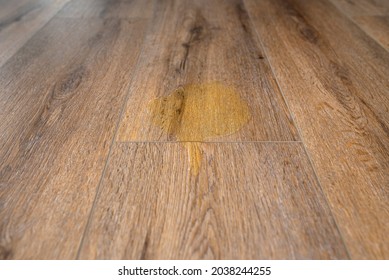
(209, 129)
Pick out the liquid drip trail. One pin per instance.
(198, 112)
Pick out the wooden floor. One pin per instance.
(223, 129)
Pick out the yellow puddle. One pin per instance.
(198, 112)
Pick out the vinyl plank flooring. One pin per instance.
(377, 27)
(362, 7)
(8, 7)
(20, 20)
(371, 16)
(195, 46)
(249, 201)
(107, 9)
(335, 80)
(60, 100)
(171, 129)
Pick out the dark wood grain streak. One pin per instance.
(250, 201)
(335, 79)
(53, 144)
(198, 42)
(92, 167)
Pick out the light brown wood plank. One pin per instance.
(20, 20)
(249, 201)
(107, 9)
(335, 79)
(60, 100)
(362, 7)
(202, 42)
(377, 27)
(372, 16)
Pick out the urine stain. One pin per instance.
(197, 112)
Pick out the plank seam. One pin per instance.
(350, 18)
(120, 117)
(300, 135)
(34, 33)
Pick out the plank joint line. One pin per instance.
(301, 137)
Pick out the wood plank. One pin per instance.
(362, 7)
(60, 101)
(377, 27)
(8, 7)
(335, 79)
(20, 20)
(372, 16)
(249, 201)
(107, 9)
(193, 44)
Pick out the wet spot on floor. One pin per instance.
(199, 112)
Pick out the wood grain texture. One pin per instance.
(107, 9)
(377, 27)
(60, 104)
(200, 42)
(249, 201)
(20, 20)
(107, 114)
(335, 79)
(362, 7)
(372, 16)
